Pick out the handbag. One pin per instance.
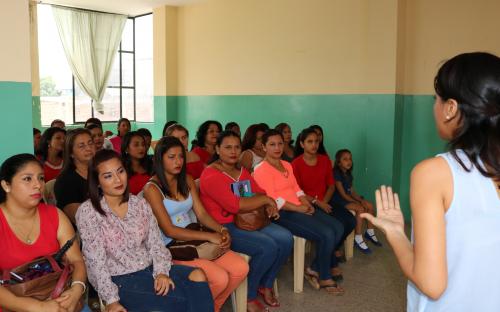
(252, 220)
(195, 249)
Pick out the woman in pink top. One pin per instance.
(298, 214)
(123, 127)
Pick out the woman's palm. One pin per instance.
(389, 215)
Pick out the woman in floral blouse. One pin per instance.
(126, 259)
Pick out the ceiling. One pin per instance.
(128, 7)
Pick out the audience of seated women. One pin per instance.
(298, 214)
(194, 165)
(206, 137)
(71, 185)
(30, 229)
(173, 195)
(126, 259)
(50, 152)
(138, 164)
(268, 247)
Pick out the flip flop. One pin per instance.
(274, 304)
(334, 290)
(312, 279)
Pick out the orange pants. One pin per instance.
(223, 274)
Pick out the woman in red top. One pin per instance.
(123, 128)
(206, 137)
(51, 152)
(30, 229)
(194, 164)
(268, 247)
(138, 164)
(314, 175)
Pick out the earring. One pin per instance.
(448, 117)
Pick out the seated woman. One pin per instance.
(97, 136)
(233, 126)
(174, 198)
(96, 121)
(123, 127)
(298, 215)
(206, 136)
(194, 164)
(268, 247)
(252, 147)
(288, 149)
(30, 229)
(50, 152)
(314, 175)
(138, 164)
(37, 136)
(126, 259)
(71, 185)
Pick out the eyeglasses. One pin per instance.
(83, 145)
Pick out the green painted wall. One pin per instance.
(16, 133)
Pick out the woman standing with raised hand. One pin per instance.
(455, 197)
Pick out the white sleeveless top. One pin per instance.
(256, 159)
(472, 246)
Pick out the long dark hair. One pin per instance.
(250, 136)
(95, 192)
(68, 148)
(167, 125)
(120, 122)
(301, 138)
(336, 168)
(43, 149)
(321, 149)
(174, 127)
(161, 148)
(473, 80)
(202, 132)
(11, 167)
(145, 162)
(281, 127)
(224, 134)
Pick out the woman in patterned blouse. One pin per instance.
(126, 259)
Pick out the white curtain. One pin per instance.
(90, 41)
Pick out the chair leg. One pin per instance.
(240, 295)
(349, 243)
(275, 288)
(298, 264)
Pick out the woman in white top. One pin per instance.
(455, 197)
(253, 152)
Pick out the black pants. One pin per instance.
(346, 218)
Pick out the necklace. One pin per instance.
(26, 238)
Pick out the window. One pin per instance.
(130, 85)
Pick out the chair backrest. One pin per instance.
(48, 193)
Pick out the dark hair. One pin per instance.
(250, 136)
(230, 125)
(338, 155)
(265, 126)
(11, 167)
(120, 122)
(93, 121)
(161, 148)
(269, 133)
(95, 192)
(71, 135)
(43, 148)
(321, 149)
(92, 126)
(145, 162)
(144, 132)
(224, 134)
(55, 121)
(301, 138)
(281, 127)
(202, 132)
(174, 127)
(36, 131)
(167, 124)
(473, 80)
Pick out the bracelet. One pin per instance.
(222, 229)
(80, 283)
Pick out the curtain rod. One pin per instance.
(87, 10)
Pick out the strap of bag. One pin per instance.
(53, 263)
(61, 283)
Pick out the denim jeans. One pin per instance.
(137, 293)
(341, 214)
(268, 248)
(321, 228)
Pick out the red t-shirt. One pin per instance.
(137, 182)
(117, 144)
(195, 168)
(50, 171)
(16, 252)
(204, 155)
(314, 180)
(217, 196)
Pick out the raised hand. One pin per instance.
(389, 216)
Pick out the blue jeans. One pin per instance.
(321, 228)
(268, 248)
(137, 293)
(341, 214)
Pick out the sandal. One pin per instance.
(312, 277)
(258, 304)
(333, 289)
(273, 302)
